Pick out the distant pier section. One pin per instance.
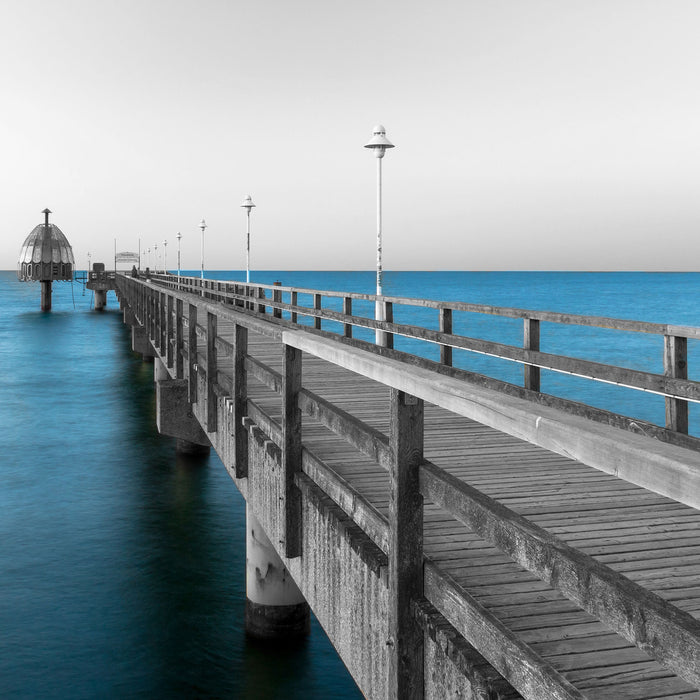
(455, 535)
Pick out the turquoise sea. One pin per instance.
(122, 564)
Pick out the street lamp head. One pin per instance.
(248, 203)
(179, 236)
(165, 242)
(379, 142)
(202, 225)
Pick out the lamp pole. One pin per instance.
(202, 225)
(379, 143)
(248, 205)
(155, 255)
(179, 236)
(165, 257)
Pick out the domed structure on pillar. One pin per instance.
(46, 256)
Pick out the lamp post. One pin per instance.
(148, 258)
(179, 236)
(165, 257)
(202, 225)
(155, 255)
(379, 143)
(248, 205)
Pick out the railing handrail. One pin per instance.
(673, 383)
(606, 322)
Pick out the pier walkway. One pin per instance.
(456, 536)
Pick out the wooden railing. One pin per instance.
(673, 384)
(654, 625)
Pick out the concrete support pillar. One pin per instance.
(174, 417)
(141, 343)
(100, 299)
(129, 316)
(185, 447)
(46, 295)
(160, 371)
(275, 608)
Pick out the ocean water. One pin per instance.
(122, 564)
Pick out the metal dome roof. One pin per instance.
(46, 244)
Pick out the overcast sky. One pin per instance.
(530, 134)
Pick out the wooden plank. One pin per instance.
(635, 613)
(518, 663)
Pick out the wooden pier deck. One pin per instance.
(542, 576)
(652, 540)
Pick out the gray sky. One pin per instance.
(530, 134)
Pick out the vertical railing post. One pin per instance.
(192, 352)
(291, 450)
(179, 339)
(406, 547)
(169, 335)
(277, 297)
(676, 365)
(261, 295)
(347, 311)
(446, 327)
(239, 406)
(211, 372)
(531, 341)
(389, 318)
(294, 300)
(317, 307)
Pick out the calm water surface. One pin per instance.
(122, 565)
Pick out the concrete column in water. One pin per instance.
(160, 371)
(100, 299)
(275, 608)
(46, 295)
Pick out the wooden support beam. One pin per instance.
(676, 365)
(406, 547)
(211, 372)
(240, 399)
(446, 327)
(531, 341)
(192, 352)
(162, 336)
(179, 339)
(291, 450)
(169, 333)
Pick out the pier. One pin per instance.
(455, 535)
